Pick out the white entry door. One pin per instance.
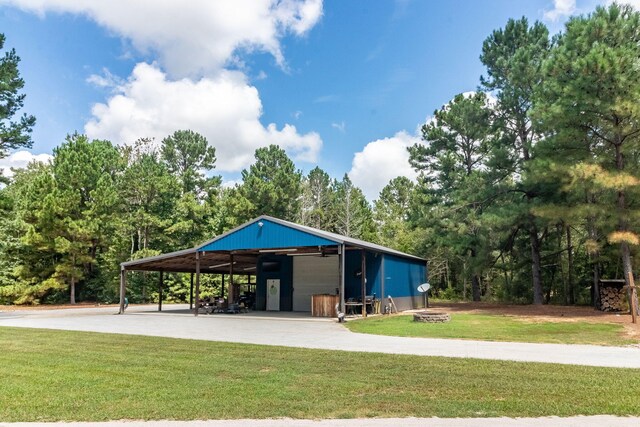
(273, 294)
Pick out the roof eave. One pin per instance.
(158, 257)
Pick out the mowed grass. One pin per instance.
(51, 375)
(495, 328)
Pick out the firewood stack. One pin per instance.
(612, 298)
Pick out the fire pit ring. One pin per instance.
(426, 317)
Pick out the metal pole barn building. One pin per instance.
(291, 263)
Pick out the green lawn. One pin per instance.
(58, 375)
(495, 328)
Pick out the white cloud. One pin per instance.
(561, 9)
(198, 38)
(225, 109)
(380, 161)
(342, 126)
(491, 99)
(21, 159)
(188, 87)
(105, 80)
(326, 98)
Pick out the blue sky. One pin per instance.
(341, 84)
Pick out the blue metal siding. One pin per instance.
(351, 280)
(403, 276)
(269, 236)
(374, 277)
(353, 283)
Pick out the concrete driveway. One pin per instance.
(301, 330)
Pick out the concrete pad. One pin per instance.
(301, 330)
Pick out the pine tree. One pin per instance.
(316, 201)
(13, 133)
(81, 206)
(451, 161)
(149, 193)
(590, 94)
(351, 212)
(187, 155)
(513, 57)
(272, 185)
(391, 214)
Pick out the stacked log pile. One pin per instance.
(613, 298)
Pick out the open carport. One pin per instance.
(291, 263)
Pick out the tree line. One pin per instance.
(70, 223)
(527, 188)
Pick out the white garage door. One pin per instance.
(313, 275)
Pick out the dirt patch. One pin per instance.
(544, 313)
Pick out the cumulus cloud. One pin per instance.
(189, 86)
(225, 109)
(197, 39)
(561, 9)
(380, 161)
(21, 159)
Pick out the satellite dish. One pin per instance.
(424, 287)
